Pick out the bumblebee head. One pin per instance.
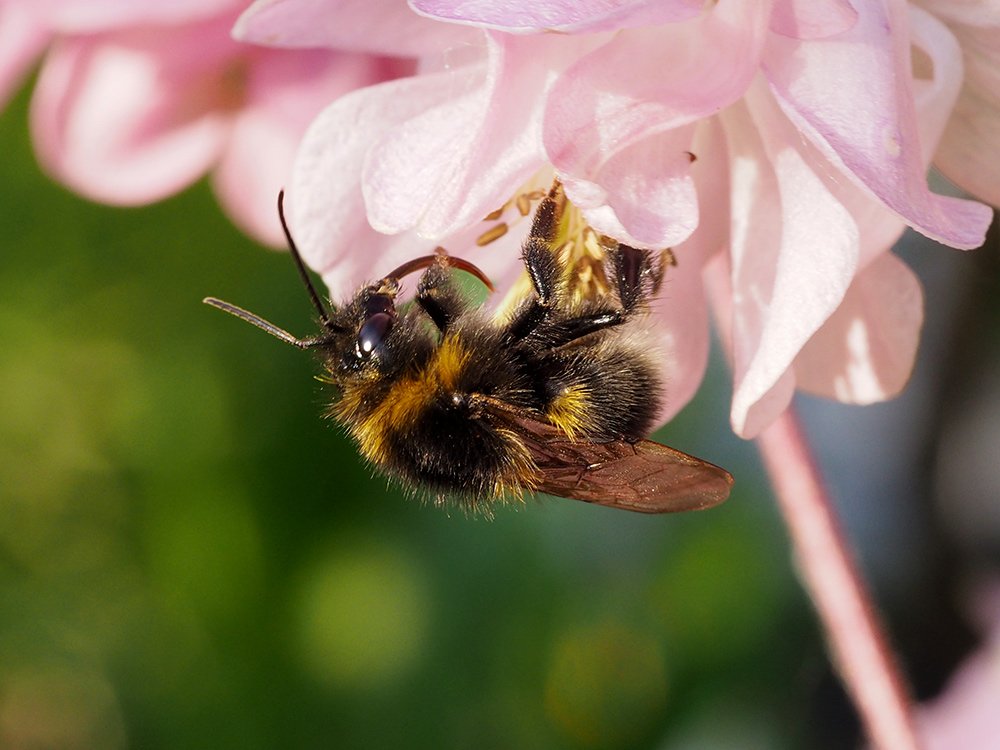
(356, 340)
(360, 336)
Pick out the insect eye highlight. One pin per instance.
(373, 333)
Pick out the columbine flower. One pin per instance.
(795, 136)
(136, 100)
(779, 145)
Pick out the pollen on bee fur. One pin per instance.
(570, 410)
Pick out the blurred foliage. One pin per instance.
(190, 557)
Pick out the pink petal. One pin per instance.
(850, 96)
(285, 91)
(644, 195)
(812, 19)
(710, 172)
(484, 142)
(87, 16)
(969, 154)
(680, 312)
(132, 117)
(646, 81)
(794, 251)
(975, 13)
(22, 40)
(384, 27)
(935, 90)
(327, 211)
(865, 352)
(679, 318)
(254, 166)
(567, 16)
(879, 227)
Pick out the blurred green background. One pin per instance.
(190, 557)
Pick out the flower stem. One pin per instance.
(856, 638)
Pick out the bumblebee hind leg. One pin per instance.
(542, 264)
(633, 275)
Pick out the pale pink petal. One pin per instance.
(327, 211)
(86, 16)
(865, 352)
(879, 227)
(609, 100)
(969, 154)
(254, 166)
(977, 13)
(934, 91)
(812, 19)
(680, 319)
(22, 40)
(384, 27)
(285, 91)
(452, 164)
(644, 195)
(710, 171)
(133, 117)
(680, 312)
(567, 16)
(937, 80)
(768, 339)
(794, 252)
(851, 96)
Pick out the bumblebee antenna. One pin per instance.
(322, 309)
(271, 328)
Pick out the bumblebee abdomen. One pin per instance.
(601, 392)
(467, 457)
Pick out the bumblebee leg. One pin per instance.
(437, 295)
(570, 330)
(542, 263)
(633, 277)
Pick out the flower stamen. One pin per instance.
(493, 233)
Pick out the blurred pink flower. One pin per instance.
(136, 100)
(965, 714)
(21, 41)
(789, 138)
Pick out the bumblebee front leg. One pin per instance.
(437, 295)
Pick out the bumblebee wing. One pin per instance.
(643, 476)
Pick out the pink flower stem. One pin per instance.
(856, 637)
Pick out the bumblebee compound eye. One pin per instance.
(372, 334)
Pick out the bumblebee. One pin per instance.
(551, 396)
